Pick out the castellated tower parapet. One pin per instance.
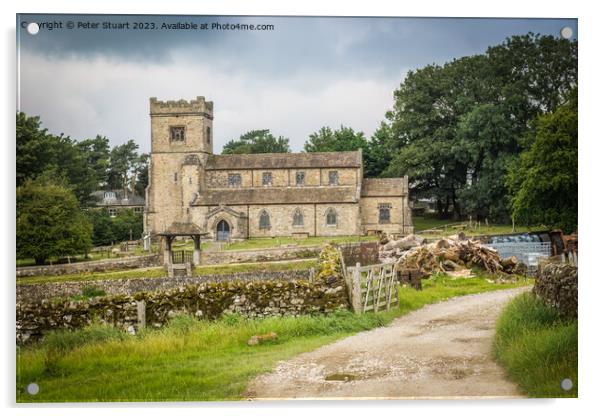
(181, 126)
(172, 107)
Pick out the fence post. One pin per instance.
(141, 310)
(356, 290)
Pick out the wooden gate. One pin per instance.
(372, 288)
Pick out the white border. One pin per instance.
(589, 218)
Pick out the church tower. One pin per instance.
(181, 140)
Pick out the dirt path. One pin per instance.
(440, 351)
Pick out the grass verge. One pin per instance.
(193, 359)
(537, 347)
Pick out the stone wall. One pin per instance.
(557, 285)
(368, 251)
(36, 292)
(365, 253)
(253, 256)
(204, 300)
(91, 266)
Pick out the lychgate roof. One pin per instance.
(183, 228)
(286, 160)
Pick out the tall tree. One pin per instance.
(543, 183)
(456, 128)
(38, 152)
(122, 163)
(378, 153)
(328, 140)
(97, 153)
(50, 222)
(141, 174)
(257, 141)
(32, 148)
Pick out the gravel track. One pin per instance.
(443, 350)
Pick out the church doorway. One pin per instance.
(223, 231)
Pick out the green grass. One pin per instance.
(446, 228)
(537, 347)
(74, 259)
(150, 272)
(154, 272)
(197, 359)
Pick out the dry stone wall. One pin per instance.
(252, 256)
(35, 292)
(91, 266)
(557, 285)
(204, 300)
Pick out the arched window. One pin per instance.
(331, 217)
(264, 220)
(298, 218)
(384, 213)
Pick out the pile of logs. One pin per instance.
(451, 254)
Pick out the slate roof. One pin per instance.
(132, 199)
(284, 195)
(286, 160)
(183, 228)
(383, 187)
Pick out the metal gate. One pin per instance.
(526, 252)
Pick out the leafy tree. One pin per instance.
(38, 152)
(141, 174)
(456, 128)
(543, 183)
(328, 140)
(257, 141)
(127, 220)
(32, 148)
(378, 153)
(50, 222)
(97, 152)
(122, 165)
(102, 224)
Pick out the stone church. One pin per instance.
(229, 197)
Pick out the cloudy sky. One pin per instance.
(304, 74)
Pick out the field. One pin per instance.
(445, 228)
(537, 347)
(197, 359)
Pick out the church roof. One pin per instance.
(284, 195)
(383, 187)
(286, 160)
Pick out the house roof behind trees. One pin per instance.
(114, 197)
